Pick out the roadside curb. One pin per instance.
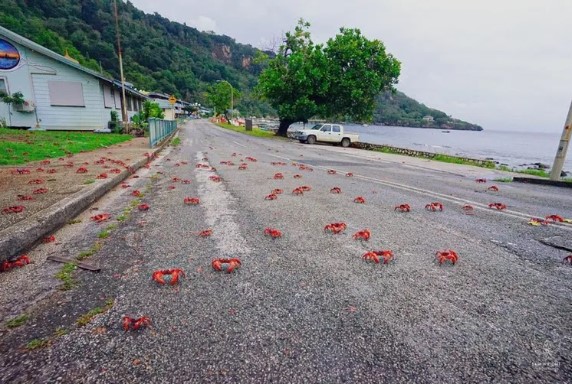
(23, 235)
(538, 181)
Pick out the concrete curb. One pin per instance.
(23, 235)
(539, 181)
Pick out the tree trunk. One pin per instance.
(283, 128)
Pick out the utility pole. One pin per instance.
(562, 147)
(123, 100)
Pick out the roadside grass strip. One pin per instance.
(21, 146)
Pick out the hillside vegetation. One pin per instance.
(161, 55)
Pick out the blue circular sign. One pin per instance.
(9, 55)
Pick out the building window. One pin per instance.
(3, 87)
(66, 94)
(108, 97)
(129, 103)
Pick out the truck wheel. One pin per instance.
(311, 140)
(346, 142)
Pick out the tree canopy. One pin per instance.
(338, 79)
(222, 97)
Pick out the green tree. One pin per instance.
(151, 110)
(221, 96)
(341, 78)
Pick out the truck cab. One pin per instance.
(326, 132)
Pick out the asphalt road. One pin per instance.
(306, 307)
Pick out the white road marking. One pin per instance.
(220, 217)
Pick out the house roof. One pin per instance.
(62, 59)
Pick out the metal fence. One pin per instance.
(160, 129)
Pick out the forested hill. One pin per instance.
(161, 55)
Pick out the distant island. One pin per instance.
(397, 109)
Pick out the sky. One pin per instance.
(502, 64)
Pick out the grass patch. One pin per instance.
(534, 172)
(93, 250)
(90, 181)
(503, 179)
(86, 318)
(17, 321)
(176, 141)
(21, 146)
(37, 343)
(256, 132)
(458, 160)
(60, 331)
(65, 275)
(76, 221)
(107, 231)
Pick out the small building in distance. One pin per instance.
(59, 93)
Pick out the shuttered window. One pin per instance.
(66, 94)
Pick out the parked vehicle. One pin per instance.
(326, 132)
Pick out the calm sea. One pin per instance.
(507, 147)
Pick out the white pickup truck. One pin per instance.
(326, 132)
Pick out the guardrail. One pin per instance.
(160, 129)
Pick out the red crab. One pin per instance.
(468, 209)
(493, 188)
(171, 187)
(51, 171)
(349, 174)
(364, 234)
(538, 221)
(49, 239)
(567, 259)
(40, 191)
(242, 166)
(359, 200)
(192, 200)
(136, 193)
(186, 182)
(481, 180)
(45, 162)
(555, 218)
(206, 233)
(434, 206)
(497, 205)
(304, 167)
(305, 188)
(40, 169)
(278, 176)
(336, 227)
(143, 207)
(375, 255)
(22, 197)
(102, 176)
(101, 217)
(115, 171)
(449, 255)
(22, 171)
(277, 191)
(215, 178)
(274, 233)
(135, 324)
(271, 197)
(174, 273)
(36, 182)
(331, 171)
(251, 159)
(19, 262)
(81, 170)
(336, 190)
(297, 176)
(298, 192)
(403, 208)
(125, 186)
(231, 264)
(13, 209)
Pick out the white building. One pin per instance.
(60, 94)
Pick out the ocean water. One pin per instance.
(506, 147)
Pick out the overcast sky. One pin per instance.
(503, 64)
